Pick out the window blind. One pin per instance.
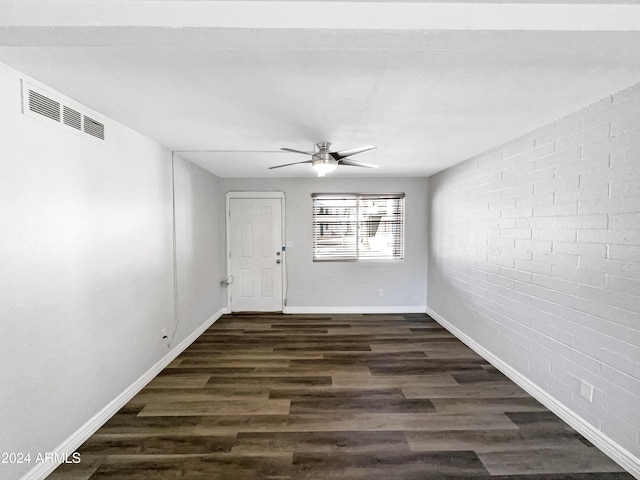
(349, 226)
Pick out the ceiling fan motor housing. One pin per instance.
(323, 147)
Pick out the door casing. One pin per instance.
(257, 195)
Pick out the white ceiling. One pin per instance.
(230, 83)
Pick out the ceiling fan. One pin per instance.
(324, 160)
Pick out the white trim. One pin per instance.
(41, 470)
(617, 453)
(234, 194)
(355, 310)
(365, 15)
(251, 194)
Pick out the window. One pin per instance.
(348, 226)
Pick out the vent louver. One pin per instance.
(72, 118)
(42, 105)
(94, 128)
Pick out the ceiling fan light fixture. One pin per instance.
(324, 166)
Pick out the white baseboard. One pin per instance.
(354, 310)
(41, 470)
(619, 454)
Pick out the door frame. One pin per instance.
(257, 195)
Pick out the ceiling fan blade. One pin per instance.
(352, 151)
(296, 151)
(289, 164)
(353, 163)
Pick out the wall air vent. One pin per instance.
(94, 128)
(42, 105)
(70, 116)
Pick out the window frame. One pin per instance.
(400, 221)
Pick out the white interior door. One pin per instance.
(255, 257)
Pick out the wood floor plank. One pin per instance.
(411, 345)
(254, 466)
(249, 357)
(566, 459)
(125, 425)
(74, 473)
(207, 361)
(347, 421)
(193, 380)
(328, 397)
(389, 464)
(346, 358)
(321, 369)
(488, 441)
(241, 406)
(503, 390)
(167, 395)
(386, 381)
(346, 441)
(479, 376)
(220, 370)
(470, 405)
(158, 445)
(350, 400)
(275, 381)
(209, 466)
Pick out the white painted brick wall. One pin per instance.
(534, 253)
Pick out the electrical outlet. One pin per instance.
(165, 337)
(380, 292)
(586, 390)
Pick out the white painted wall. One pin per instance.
(348, 286)
(200, 242)
(534, 254)
(86, 269)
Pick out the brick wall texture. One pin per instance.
(534, 252)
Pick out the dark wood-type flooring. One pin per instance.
(288, 397)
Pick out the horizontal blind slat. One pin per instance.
(352, 226)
